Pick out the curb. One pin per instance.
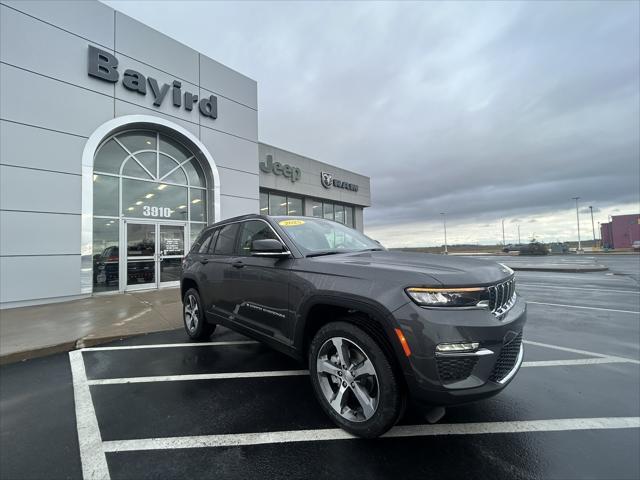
(66, 347)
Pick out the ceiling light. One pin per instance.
(162, 187)
(148, 142)
(112, 221)
(182, 206)
(283, 204)
(131, 208)
(149, 195)
(264, 208)
(139, 202)
(95, 177)
(196, 200)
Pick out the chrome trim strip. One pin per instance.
(478, 353)
(515, 368)
(282, 254)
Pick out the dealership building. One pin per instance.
(120, 144)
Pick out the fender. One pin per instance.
(375, 310)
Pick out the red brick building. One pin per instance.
(621, 231)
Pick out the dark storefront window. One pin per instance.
(316, 208)
(327, 210)
(264, 203)
(276, 204)
(333, 211)
(105, 254)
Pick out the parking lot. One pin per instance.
(157, 406)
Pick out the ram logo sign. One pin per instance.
(328, 181)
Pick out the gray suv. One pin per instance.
(375, 327)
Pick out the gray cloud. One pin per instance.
(482, 110)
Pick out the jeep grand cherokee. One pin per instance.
(375, 326)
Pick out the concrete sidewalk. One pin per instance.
(29, 332)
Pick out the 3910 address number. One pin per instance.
(163, 212)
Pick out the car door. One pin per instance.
(199, 256)
(262, 293)
(220, 276)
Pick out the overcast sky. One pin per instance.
(484, 111)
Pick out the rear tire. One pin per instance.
(357, 388)
(195, 323)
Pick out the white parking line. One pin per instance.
(581, 352)
(555, 287)
(92, 458)
(585, 308)
(171, 345)
(575, 361)
(199, 376)
(242, 439)
(290, 373)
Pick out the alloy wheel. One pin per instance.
(191, 313)
(348, 379)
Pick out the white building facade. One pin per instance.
(119, 144)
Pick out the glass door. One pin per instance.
(171, 252)
(140, 255)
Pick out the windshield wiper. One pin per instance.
(325, 252)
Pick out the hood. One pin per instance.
(446, 270)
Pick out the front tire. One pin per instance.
(195, 323)
(354, 380)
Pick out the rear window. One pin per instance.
(204, 246)
(226, 240)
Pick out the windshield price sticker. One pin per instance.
(291, 223)
(163, 212)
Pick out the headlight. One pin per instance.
(508, 270)
(450, 297)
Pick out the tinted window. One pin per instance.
(214, 238)
(253, 230)
(226, 240)
(195, 246)
(206, 240)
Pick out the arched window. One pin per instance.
(140, 174)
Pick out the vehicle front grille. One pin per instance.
(502, 297)
(507, 359)
(454, 369)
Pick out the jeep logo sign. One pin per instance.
(104, 66)
(328, 181)
(277, 168)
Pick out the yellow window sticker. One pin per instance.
(291, 223)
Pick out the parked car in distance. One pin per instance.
(532, 248)
(375, 327)
(636, 245)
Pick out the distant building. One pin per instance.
(621, 231)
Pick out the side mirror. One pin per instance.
(269, 247)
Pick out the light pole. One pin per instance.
(579, 250)
(519, 242)
(593, 227)
(503, 242)
(444, 222)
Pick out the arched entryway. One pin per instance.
(153, 188)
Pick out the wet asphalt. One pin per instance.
(39, 428)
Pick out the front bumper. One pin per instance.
(453, 378)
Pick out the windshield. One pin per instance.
(319, 236)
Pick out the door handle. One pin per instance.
(204, 260)
(238, 264)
